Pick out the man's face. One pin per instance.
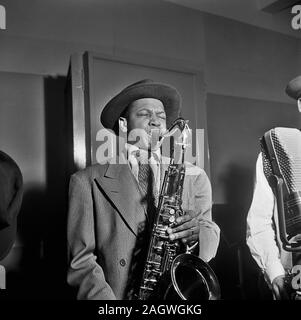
(145, 116)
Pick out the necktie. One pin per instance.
(148, 187)
(145, 178)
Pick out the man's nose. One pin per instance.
(154, 120)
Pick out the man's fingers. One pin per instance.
(276, 293)
(184, 218)
(186, 225)
(186, 229)
(188, 235)
(280, 289)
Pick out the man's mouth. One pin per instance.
(155, 132)
(154, 137)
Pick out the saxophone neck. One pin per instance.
(179, 126)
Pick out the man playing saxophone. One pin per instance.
(111, 206)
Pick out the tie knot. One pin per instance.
(142, 157)
(145, 157)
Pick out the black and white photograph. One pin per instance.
(150, 155)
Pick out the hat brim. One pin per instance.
(168, 95)
(293, 88)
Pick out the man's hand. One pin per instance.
(187, 229)
(280, 288)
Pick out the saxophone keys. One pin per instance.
(158, 272)
(172, 219)
(179, 212)
(146, 288)
(158, 249)
(153, 263)
(172, 211)
(150, 280)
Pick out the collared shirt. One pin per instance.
(134, 154)
(262, 229)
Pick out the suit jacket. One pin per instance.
(104, 212)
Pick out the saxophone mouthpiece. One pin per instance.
(156, 136)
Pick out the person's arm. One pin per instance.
(84, 272)
(198, 225)
(261, 236)
(209, 234)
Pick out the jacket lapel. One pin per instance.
(121, 187)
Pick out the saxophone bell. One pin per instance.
(194, 279)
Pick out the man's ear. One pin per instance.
(123, 125)
(299, 104)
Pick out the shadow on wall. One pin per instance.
(239, 274)
(57, 151)
(237, 181)
(42, 219)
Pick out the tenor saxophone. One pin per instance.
(171, 271)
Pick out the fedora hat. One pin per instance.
(293, 89)
(147, 88)
(11, 192)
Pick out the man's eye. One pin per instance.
(162, 116)
(143, 114)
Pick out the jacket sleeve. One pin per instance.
(261, 235)
(209, 236)
(84, 273)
